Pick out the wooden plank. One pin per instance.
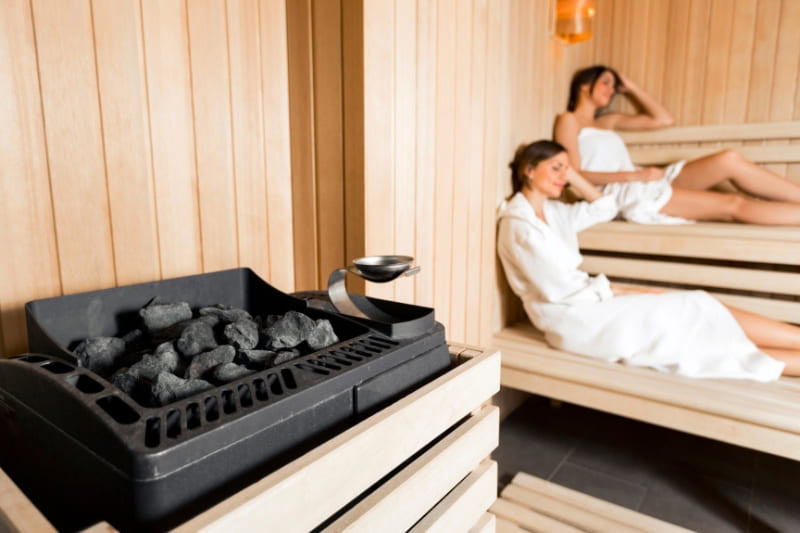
(473, 262)
(211, 99)
(655, 44)
(328, 136)
(757, 154)
(17, 513)
(763, 53)
(247, 120)
(465, 506)
(717, 59)
(724, 132)
(353, 87)
(490, 176)
(68, 81)
(673, 71)
(784, 82)
(530, 520)
(26, 211)
(506, 526)
(732, 242)
(126, 134)
(425, 150)
(166, 47)
(282, 497)
(445, 149)
(379, 135)
(700, 423)
(405, 143)
(404, 499)
(303, 168)
(732, 399)
(574, 515)
(277, 151)
(486, 524)
(692, 274)
(738, 65)
(591, 504)
(697, 50)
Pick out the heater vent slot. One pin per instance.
(212, 410)
(261, 390)
(33, 359)
(288, 379)
(192, 416)
(173, 423)
(117, 409)
(84, 383)
(228, 402)
(245, 398)
(311, 368)
(152, 432)
(274, 384)
(57, 367)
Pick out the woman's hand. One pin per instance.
(648, 174)
(627, 86)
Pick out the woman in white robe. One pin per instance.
(653, 195)
(686, 332)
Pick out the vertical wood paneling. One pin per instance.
(445, 148)
(699, 18)
(70, 101)
(273, 23)
(172, 135)
(29, 262)
(244, 51)
(425, 149)
(656, 48)
(719, 43)
(763, 57)
(301, 111)
(126, 132)
(208, 47)
(738, 74)
(379, 134)
(405, 102)
(329, 164)
(675, 61)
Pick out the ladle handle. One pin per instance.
(411, 271)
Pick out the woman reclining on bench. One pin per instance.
(686, 332)
(651, 195)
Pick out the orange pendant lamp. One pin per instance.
(573, 22)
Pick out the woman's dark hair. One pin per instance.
(588, 75)
(530, 155)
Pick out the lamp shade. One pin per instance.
(574, 18)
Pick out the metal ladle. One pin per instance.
(375, 268)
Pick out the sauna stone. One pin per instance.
(258, 357)
(242, 334)
(322, 335)
(229, 371)
(160, 316)
(165, 359)
(100, 354)
(285, 355)
(290, 330)
(225, 313)
(206, 361)
(197, 337)
(169, 388)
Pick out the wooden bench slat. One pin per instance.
(739, 400)
(464, 508)
(694, 274)
(17, 513)
(722, 132)
(565, 512)
(596, 506)
(525, 518)
(486, 524)
(757, 154)
(707, 240)
(506, 526)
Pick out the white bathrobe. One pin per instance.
(686, 332)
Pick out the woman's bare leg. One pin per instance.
(705, 172)
(790, 357)
(709, 205)
(767, 332)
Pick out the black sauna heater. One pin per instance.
(85, 451)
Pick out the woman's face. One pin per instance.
(550, 175)
(603, 89)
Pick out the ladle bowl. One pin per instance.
(382, 268)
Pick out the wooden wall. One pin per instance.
(141, 140)
(451, 88)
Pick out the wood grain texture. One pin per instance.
(211, 99)
(126, 133)
(26, 211)
(166, 46)
(70, 103)
(247, 122)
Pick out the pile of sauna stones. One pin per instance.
(178, 352)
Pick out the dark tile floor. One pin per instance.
(694, 482)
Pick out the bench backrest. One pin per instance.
(752, 267)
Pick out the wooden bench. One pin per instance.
(529, 503)
(449, 486)
(751, 267)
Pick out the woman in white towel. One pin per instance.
(685, 332)
(653, 195)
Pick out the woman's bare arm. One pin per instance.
(654, 116)
(566, 133)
